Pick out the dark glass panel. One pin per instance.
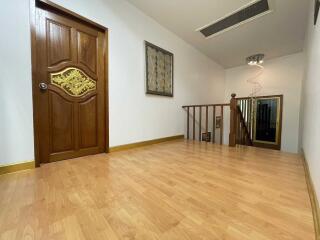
(266, 120)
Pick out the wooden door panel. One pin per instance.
(61, 124)
(88, 123)
(87, 45)
(72, 108)
(58, 42)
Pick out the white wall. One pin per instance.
(310, 101)
(134, 116)
(281, 76)
(16, 123)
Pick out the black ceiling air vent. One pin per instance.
(251, 11)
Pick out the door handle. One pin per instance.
(43, 86)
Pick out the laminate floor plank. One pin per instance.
(179, 190)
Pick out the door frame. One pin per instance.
(277, 145)
(50, 6)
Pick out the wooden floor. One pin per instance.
(177, 190)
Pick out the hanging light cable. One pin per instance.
(255, 61)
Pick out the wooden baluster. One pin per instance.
(245, 111)
(194, 123)
(250, 117)
(241, 128)
(240, 139)
(238, 127)
(242, 133)
(188, 123)
(249, 109)
(240, 136)
(214, 125)
(200, 118)
(233, 121)
(206, 119)
(242, 101)
(221, 126)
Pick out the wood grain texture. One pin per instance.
(313, 198)
(233, 121)
(175, 190)
(144, 143)
(59, 42)
(68, 125)
(4, 169)
(87, 50)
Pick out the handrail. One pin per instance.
(207, 105)
(243, 98)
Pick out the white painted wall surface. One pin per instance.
(281, 76)
(134, 116)
(310, 102)
(16, 122)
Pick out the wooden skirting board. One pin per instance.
(16, 167)
(31, 164)
(144, 143)
(313, 198)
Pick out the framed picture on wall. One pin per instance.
(316, 10)
(159, 70)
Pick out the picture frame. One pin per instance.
(316, 10)
(218, 122)
(159, 70)
(206, 137)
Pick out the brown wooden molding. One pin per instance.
(16, 167)
(144, 143)
(207, 105)
(61, 10)
(313, 198)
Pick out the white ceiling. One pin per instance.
(276, 34)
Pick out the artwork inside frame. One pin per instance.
(159, 70)
(218, 122)
(316, 10)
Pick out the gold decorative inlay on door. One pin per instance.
(73, 81)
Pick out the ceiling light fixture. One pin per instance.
(256, 59)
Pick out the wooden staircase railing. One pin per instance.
(241, 123)
(197, 120)
(243, 133)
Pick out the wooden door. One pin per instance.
(69, 86)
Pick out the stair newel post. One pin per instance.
(188, 119)
(233, 116)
